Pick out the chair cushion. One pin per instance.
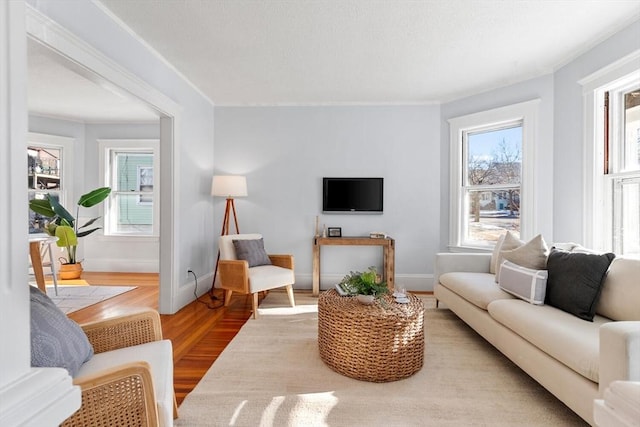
(252, 251)
(56, 340)
(266, 277)
(158, 354)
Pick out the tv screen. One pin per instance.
(352, 194)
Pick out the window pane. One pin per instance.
(43, 177)
(37, 221)
(132, 217)
(490, 213)
(494, 156)
(128, 169)
(627, 222)
(631, 153)
(44, 168)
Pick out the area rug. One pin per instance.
(271, 374)
(73, 297)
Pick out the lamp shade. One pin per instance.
(229, 186)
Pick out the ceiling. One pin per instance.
(332, 52)
(61, 89)
(308, 52)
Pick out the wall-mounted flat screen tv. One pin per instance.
(344, 195)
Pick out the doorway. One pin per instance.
(78, 57)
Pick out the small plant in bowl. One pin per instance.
(367, 284)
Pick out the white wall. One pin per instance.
(105, 253)
(286, 151)
(28, 396)
(569, 129)
(539, 88)
(191, 236)
(100, 253)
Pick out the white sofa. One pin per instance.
(572, 358)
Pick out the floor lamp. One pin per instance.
(228, 186)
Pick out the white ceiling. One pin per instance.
(332, 52)
(307, 52)
(59, 88)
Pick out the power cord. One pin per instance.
(195, 293)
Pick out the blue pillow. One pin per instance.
(56, 340)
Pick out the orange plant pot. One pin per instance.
(70, 271)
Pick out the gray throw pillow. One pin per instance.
(56, 340)
(575, 281)
(252, 251)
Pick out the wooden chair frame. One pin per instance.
(234, 277)
(122, 396)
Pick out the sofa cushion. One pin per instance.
(266, 277)
(56, 340)
(505, 242)
(158, 354)
(575, 281)
(252, 251)
(620, 296)
(564, 337)
(478, 288)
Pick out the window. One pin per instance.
(49, 168)
(613, 159)
(132, 207)
(490, 153)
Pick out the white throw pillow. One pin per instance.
(525, 283)
(506, 242)
(532, 254)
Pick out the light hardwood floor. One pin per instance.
(198, 334)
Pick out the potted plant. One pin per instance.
(65, 227)
(367, 285)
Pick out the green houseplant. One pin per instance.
(366, 283)
(63, 225)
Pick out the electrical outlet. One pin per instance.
(189, 271)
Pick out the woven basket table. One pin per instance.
(379, 343)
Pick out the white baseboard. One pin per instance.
(185, 293)
(122, 265)
(44, 396)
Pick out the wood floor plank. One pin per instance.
(198, 334)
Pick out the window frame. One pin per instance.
(599, 202)
(105, 147)
(65, 145)
(524, 112)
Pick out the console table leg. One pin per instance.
(316, 270)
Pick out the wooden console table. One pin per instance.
(389, 254)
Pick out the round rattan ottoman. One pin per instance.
(379, 343)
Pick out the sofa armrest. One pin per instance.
(619, 353)
(126, 330)
(284, 261)
(234, 275)
(118, 396)
(464, 262)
